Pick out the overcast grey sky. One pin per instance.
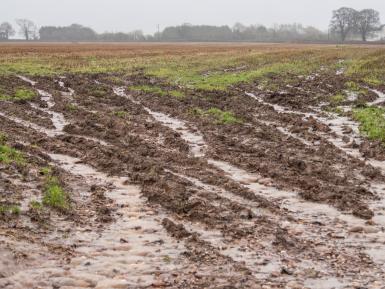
(127, 15)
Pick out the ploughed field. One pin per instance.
(192, 166)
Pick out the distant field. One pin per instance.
(187, 61)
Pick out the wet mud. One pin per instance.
(291, 196)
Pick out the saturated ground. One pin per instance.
(192, 166)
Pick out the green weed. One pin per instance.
(337, 99)
(46, 171)
(21, 94)
(35, 205)
(372, 122)
(72, 107)
(352, 86)
(167, 259)
(148, 89)
(55, 196)
(10, 155)
(99, 92)
(9, 209)
(121, 113)
(176, 93)
(3, 138)
(220, 116)
(336, 110)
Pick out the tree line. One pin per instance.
(346, 24)
(350, 22)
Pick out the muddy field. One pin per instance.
(201, 166)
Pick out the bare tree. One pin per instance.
(27, 28)
(6, 30)
(343, 21)
(367, 22)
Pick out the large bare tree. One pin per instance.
(343, 21)
(27, 28)
(367, 22)
(7, 30)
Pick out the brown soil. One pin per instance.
(232, 236)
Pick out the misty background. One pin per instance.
(146, 17)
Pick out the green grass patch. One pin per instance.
(177, 93)
(337, 99)
(224, 117)
(372, 122)
(98, 92)
(337, 110)
(55, 196)
(35, 205)
(193, 73)
(167, 259)
(373, 80)
(157, 90)
(368, 67)
(121, 113)
(220, 116)
(9, 209)
(148, 89)
(46, 171)
(352, 86)
(21, 94)
(71, 107)
(115, 80)
(10, 155)
(3, 138)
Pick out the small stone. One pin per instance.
(265, 182)
(357, 229)
(370, 223)
(275, 274)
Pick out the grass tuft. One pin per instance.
(21, 94)
(220, 116)
(35, 205)
(157, 90)
(337, 99)
(72, 107)
(121, 113)
(10, 155)
(372, 122)
(55, 196)
(9, 209)
(46, 171)
(148, 89)
(3, 138)
(177, 94)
